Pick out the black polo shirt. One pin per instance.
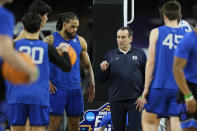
(126, 74)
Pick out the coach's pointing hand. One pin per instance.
(104, 65)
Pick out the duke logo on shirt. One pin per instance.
(74, 40)
(134, 57)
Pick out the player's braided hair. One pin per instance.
(65, 17)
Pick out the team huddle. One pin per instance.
(53, 83)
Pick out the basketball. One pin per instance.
(13, 75)
(72, 54)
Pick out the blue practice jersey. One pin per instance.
(6, 22)
(72, 79)
(187, 50)
(37, 92)
(167, 42)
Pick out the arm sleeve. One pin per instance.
(6, 24)
(184, 48)
(63, 62)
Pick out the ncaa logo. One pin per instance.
(90, 116)
(134, 57)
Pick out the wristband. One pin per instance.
(37, 73)
(188, 97)
(141, 96)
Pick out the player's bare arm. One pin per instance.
(151, 59)
(149, 66)
(178, 66)
(88, 68)
(49, 39)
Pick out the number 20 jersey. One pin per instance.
(37, 92)
(167, 42)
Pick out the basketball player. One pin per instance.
(42, 9)
(69, 93)
(185, 64)
(160, 87)
(7, 53)
(32, 100)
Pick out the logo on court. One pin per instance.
(90, 116)
(134, 57)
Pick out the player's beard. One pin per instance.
(70, 35)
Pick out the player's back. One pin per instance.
(37, 92)
(167, 41)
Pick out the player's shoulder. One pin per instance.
(155, 31)
(189, 37)
(5, 14)
(81, 39)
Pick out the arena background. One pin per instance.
(99, 20)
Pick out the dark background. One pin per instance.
(99, 21)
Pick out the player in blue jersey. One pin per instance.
(68, 95)
(160, 86)
(8, 54)
(42, 9)
(185, 65)
(33, 100)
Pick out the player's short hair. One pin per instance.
(130, 32)
(39, 7)
(172, 10)
(31, 22)
(65, 17)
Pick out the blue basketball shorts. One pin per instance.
(187, 120)
(69, 99)
(38, 115)
(162, 101)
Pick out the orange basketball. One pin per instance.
(13, 75)
(72, 54)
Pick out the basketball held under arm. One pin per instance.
(8, 54)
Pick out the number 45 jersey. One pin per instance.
(167, 42)
(37, 92)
